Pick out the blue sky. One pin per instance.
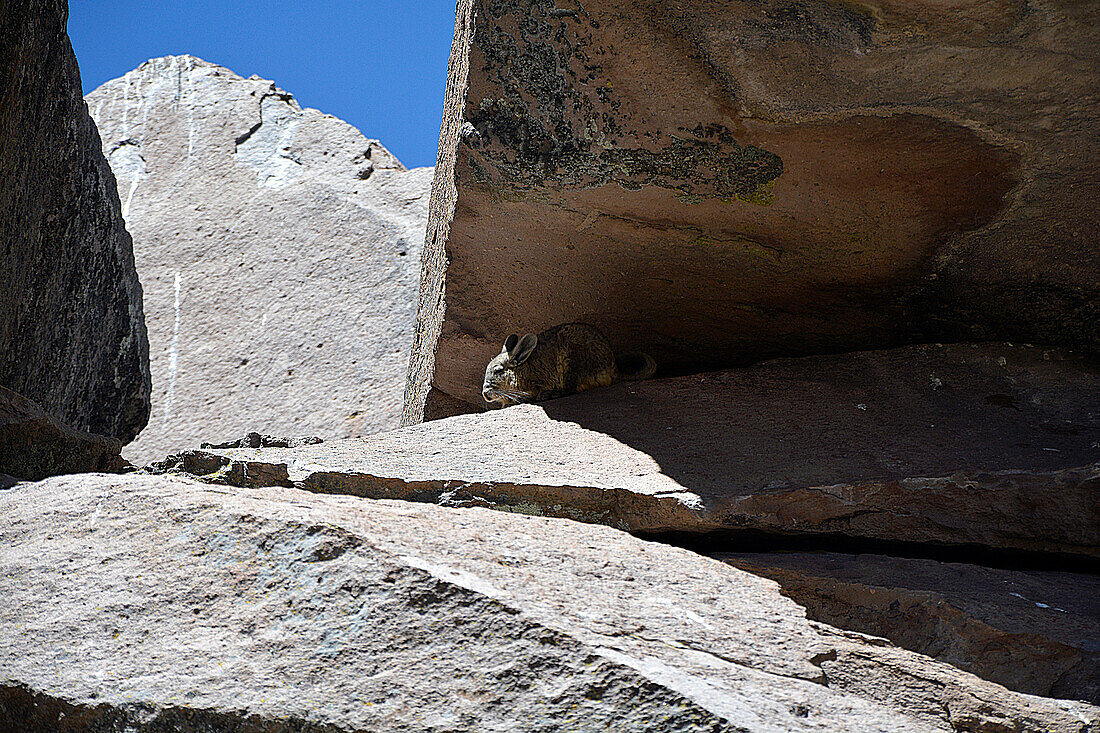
(380, 65)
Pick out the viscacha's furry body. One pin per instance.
(559, 361)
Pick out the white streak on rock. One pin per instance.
(190, 117)
(458, 577)
(173, 356)
(130, 197)
(125, 100)
(95, 515)
(686, 613)
(127, 162)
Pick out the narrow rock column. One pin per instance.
(72, 330)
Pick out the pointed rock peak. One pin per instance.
(184, 62)
(272, 196)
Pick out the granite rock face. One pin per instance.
(989, 445)
(279, 249)
(1032, 631)
(72, 333)
(34, 445)
(149, 601)
(720, 183)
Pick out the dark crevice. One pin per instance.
(282, 96)
(218, 469)
(820, 679)
(244, 138)
(714, 544)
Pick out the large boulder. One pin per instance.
(717, 183)
(1031, 630)
(72, 334)
(159, 603)
(279, 249)
(34, 445)
(989, 445)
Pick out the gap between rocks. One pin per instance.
(613, 507)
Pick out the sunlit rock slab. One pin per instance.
(144, 601)
(990, 445)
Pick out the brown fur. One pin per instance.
(559, 361)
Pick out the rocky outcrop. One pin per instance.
(72, 334)
(719, 183)
(152, 600)
(33, 445)
(988, 445)
(279, 250)
(1029, 630)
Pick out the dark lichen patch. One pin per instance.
(524, 152)
(840, 26)
(712, 131)
(847, 25)
(695, 167)
(551, 117)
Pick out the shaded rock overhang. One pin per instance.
(718, 183)
(982, 453)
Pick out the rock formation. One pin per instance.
(1035, 631)
(72, 334)
(34, 445)
(279, 250)
(989, 445)
(149, 601)
(882, 538)
(719, 183)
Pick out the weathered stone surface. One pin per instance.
(34, 445)
(1031, 631)
(992, 445)
(279, 250)
(256, 440)
(72, 334)
(153, 600)
(716, 183)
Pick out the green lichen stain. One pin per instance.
(553, 119)
(764, 195)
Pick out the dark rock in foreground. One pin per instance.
(72, 333)
(141, 600)
(989, 445)
(1031, 631)
(33, 445)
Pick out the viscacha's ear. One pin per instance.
(510, 343)
(523, 349)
